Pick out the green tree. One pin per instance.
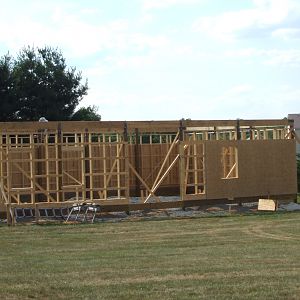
(42, 85)
(89, 113)
(8, 106)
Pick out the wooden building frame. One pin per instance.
(131, 165)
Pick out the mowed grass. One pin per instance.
(237, 257)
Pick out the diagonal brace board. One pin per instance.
(143, 182)
(36, 184)
(73, 178)
(175, 141)
(114, 165)
(154, 188)
(231, 170)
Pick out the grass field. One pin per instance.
(237, 257)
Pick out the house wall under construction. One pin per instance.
(111, 163)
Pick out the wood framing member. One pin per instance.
(143, 126)
(137, 161)
(193, 155)
(194, 160)
(230, 162)
(87, 163)
(143, 182)
(59, 169)
(160, 178)
(34, 183)
(155, 187)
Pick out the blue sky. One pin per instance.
(170, 59)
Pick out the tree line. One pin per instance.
(38, 83)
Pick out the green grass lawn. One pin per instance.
(237, 257)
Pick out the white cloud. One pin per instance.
(98, 70)
(136, 105)
(140, 71)
(274, 57)
(76, 36)
(238, 90)
(146, 18)
(235, 99)
(287, 33)
(156, 4)
(246, 52)
(138, 61)
(186, 50)
(82, 38)
(289, 57)
(252, 102)
(266, 17)
(281, 101)
(141, 41)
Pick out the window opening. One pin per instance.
(229, 162)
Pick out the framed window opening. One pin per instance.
(229, 162)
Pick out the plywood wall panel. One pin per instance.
(264, 167)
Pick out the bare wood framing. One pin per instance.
(110, 161)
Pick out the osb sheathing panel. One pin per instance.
(265, 167)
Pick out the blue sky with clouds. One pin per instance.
(170, 59)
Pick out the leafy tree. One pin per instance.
(89, 113)
(38, 83)
(8, 105)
